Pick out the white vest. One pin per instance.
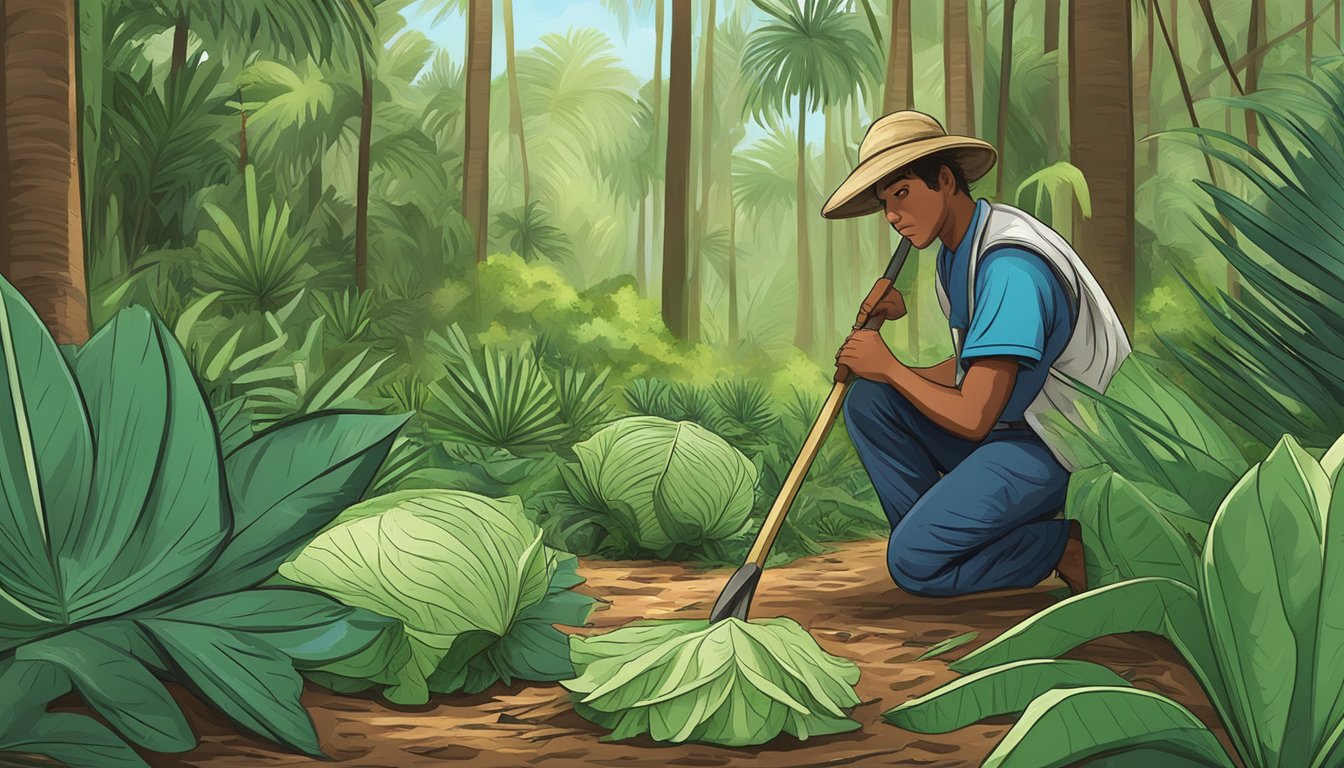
(1098, 343)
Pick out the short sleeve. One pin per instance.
(1015, 304)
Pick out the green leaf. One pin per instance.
(161, 511)
(1261, 592)
(287, 483)
(118, 687)
(732, 683)
(534, 649)
(252, 683)
(1328, 687)
(308, 627)
(1001, 690)
(46, 468)
(26, 687)
(75, 740)
(950, 644)
(1068, 725)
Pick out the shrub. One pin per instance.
(134, 547)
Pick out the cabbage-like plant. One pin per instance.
(133, 547)
(475, 589)
(1262, 628)
(662, 487)
(733, 683)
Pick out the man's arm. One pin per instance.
(969, 412)
(944, 373)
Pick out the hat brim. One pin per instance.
(854, 196)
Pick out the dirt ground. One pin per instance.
(845, 598)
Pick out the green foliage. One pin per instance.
(734, 683)
(475, 590)
(346, 314)
(660, 487)
(135, 546)
(1054, 191)
(1272, 361)
(1256, 625)
(529, 233)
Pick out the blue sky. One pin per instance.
(534, 18)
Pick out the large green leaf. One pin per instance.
(1069, 725)
(1328, 687)
(460, 572)
(308, 627)
(118, 687)
(246, 679)
(1133, 530)
(1006, 689)
(1260, 590)
(732, 683)
(75, 740)
(159, 491)
(46, 468)
(286, 484)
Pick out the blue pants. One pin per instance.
(986, 522)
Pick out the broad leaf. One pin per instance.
(75, 740)
(1068, 725)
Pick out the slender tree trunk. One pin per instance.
(678, 172)
(179, 57)
(854, 134)
(658, 34)
(1311, 34)
(515, 104)
(1143, 74)
(476, 157)
(829, 164)
(1255, 33)
(802, 333)
(1151, 125)
(900, 82)
(734, 324)
(956, 68)
(641, 250)
(362, 175)
(41, 226)
(1102, 130)
(1052, 25)
(243, 158)
(979, 46)
(706, 170)
(1005, 81)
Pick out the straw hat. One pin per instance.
(895, 141)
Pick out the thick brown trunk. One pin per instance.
(695, 286)
(802, 332)
(1051, 25)
(41, 227)
(515, 104)
(1005, 80)
(476, 157)
(362, 175)
(1102, 130)
(1255, 33)
(957, 68)
(179, 57)
(900, 84)
(678, 171)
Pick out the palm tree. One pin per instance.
(678, 172)
(515, 104)
(806, 57)
(957, 68)
(706, 144)
(476, 156)
(1101, 112)
(41, 225)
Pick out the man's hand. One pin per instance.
(867, 356)
(883, 302)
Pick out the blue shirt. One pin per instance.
(1021, 311)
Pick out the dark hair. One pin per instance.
(927, 169)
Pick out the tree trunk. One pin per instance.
(734, 326)
(656, 215)
(641, 250)
(1005, 81)
(242, 137)
(179, 57)
(979, 46)
(1311, 34)
(1255, 33)
(1102, 130)
(678, 172)
(1051, 25)
(476, 157)
(957, 68)
(1143, 76)
(41, 226)
(695, 288)
(802, 332)
(829, 165)
(362, 174)
(900, 84)
(515, 104)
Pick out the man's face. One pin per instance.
(913, 209)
